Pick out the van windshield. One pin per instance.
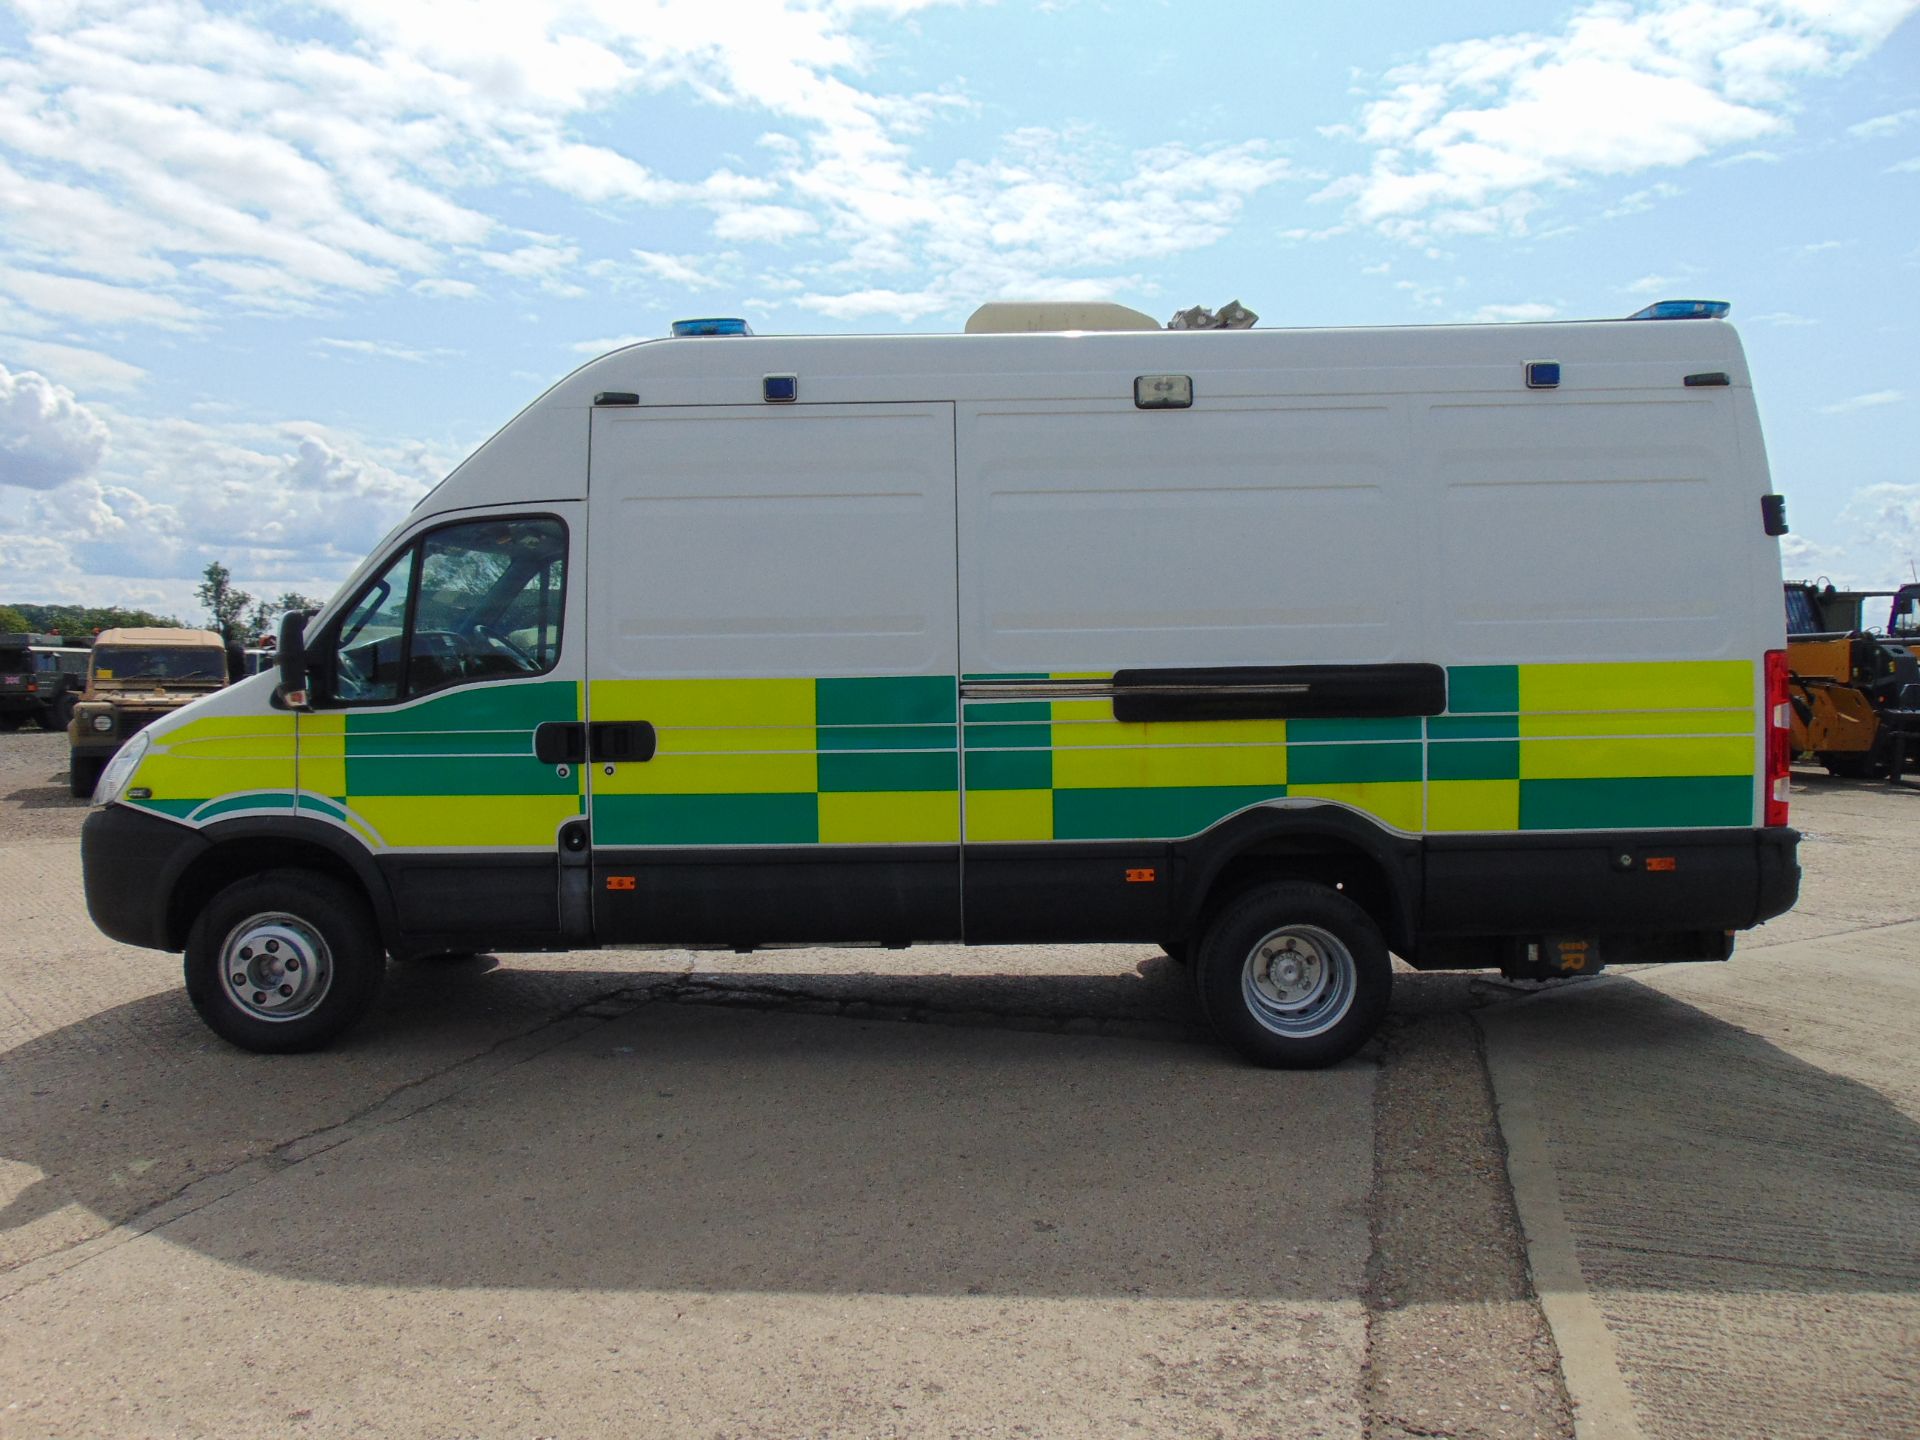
(144, 662)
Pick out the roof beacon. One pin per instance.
(1683, 310)
(715, 325)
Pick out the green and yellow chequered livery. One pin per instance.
(878, 760)
(455, 771)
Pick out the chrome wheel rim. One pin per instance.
(275, 967)
(1298, 981)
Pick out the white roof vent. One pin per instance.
(1021, 317)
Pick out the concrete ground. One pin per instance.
(951, 1192)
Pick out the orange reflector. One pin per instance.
(1140, 877)
(619, 882)
(1661, 862)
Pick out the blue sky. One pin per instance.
(268, 271)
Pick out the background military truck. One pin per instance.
(60, 665)
(19, 685)
(133, 678)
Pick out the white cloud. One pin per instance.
(384, 349)
(682, 270)
(1784, 318)
(1882, 522)
(1905, 167)
(92, 302)
(74, 365)
(1882, 126)
(769, 223)
(47, 438)
(1472, 136)
(440, 289)
(1872, 400)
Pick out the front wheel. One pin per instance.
(283, 961)
(1294, 975)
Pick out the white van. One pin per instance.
(1285, 649)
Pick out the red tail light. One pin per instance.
(1779, 717)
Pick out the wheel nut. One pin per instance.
(238, 981)
(292, 965)
(246, 952)
(286, 990)
(258, 998)
(273, 947)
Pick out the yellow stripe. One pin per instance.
(1473, 805)
(1607, 759)
(1086, 769)
(712, 775)
(1665, 685)
(787, 702)
(1009, 815)
(457, 820)
(890, 817)
(1397, 802)
(678, 741)
(1641, 722)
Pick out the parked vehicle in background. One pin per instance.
(61, 668)
(1856, 690)
(133, 678)
(19, 685)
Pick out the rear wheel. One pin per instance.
(1854, 764)
(283, 961)
(1294, 975)
(48, 717)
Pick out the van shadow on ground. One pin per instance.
(704, 1142)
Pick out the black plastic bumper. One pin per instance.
(131, 863)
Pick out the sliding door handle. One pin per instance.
(622, 741)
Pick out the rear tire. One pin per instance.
(83, 773)
(1293, 976)
(284, 961)
(48, 717)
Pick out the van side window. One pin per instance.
(479, 600)
(367, 662)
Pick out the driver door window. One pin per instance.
(480, 600)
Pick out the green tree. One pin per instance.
(225, 603)
(265, 619)
(12, 621)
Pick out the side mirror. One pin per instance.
(290, 656)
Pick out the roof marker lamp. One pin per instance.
(712, 325)
(1683, 310)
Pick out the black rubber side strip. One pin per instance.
(1278, 692)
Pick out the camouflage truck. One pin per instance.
(19, 685)
(133, 678)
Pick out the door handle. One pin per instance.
(560, 742)
(622, 741)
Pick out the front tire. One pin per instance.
(1294, 976)
(283, 961)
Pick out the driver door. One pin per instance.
(428, 689)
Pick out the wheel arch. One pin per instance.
(1325, 843)
(251, 845)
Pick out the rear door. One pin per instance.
(775, 671)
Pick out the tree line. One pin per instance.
(232, 612)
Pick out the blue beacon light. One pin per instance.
(1683, 310)
(714, 325)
